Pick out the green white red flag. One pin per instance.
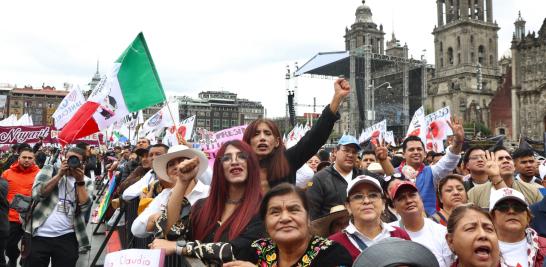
(132, 85)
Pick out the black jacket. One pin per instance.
(309, 145)
(4, 209)
(329, 189)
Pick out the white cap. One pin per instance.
(363, 179)
(503, 194)
(376, 168)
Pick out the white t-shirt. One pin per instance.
(160, 201)
(61, 220)
(347, 177)
(432, 236)
(514, 253)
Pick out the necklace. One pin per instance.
(234, 202)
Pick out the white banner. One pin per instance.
(417, 125)
(162, 118)
(135, 258)
(68, 107)
(375, 132)
(437, 129)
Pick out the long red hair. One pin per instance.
(276, 163)
(205, 220)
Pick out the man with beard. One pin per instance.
(503, 176)
(20, 177)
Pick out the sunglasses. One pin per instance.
(515, 206)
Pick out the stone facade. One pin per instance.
(40, 104)
(529, 81)
(217, 110)
(467, 74)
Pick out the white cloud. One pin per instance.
(241, 45)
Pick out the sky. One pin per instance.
(241, 46)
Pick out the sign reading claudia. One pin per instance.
(135, 258)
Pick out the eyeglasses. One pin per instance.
(477, 157)
(373, 196)
(239, 157)
(515, 206)
(348, 151)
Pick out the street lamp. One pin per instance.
(371, 112)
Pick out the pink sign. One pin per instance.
(211, 142)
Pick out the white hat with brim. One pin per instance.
(502, 194)
(179, 151)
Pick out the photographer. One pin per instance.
(57, 225)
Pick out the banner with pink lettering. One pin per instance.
(33, 134)
(210, 142)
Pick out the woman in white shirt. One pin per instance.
(519, 244)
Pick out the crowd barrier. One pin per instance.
(129, 210)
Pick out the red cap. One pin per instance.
(394, 190)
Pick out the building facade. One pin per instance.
(217, 110)
(529, 81)
(467, 74)
(40, 104)
(387, 84)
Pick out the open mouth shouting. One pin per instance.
(483, 252)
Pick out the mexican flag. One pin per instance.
(131, 85)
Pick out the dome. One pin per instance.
(363, 13)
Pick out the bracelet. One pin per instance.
(178, 250)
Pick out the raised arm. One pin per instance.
(315, 138)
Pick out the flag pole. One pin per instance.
(180, 139)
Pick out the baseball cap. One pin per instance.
(393, 251)
(504, 194)
(348, 140)
(396, 188)
(363, 179)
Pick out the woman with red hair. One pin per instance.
(278, 164)
(215, 228)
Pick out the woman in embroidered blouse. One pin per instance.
(365, 203)
(219, 226)
(284, 210)
(451, 194)
(472, 237)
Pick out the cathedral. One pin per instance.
(466, 69)
(529, 81)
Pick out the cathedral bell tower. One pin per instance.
(466, 70)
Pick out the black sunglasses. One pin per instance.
(515, 206)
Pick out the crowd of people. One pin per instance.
(262, 204)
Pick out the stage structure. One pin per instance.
(384, 86)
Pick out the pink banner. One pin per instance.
(33, 134)
(211, 142)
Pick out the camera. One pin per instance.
(73, 162)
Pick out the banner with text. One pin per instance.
(210, 142)
(438, 129)
(68, 107)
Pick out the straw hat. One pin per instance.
(178, 151)
(321, 226)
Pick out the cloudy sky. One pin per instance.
(241, 46)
